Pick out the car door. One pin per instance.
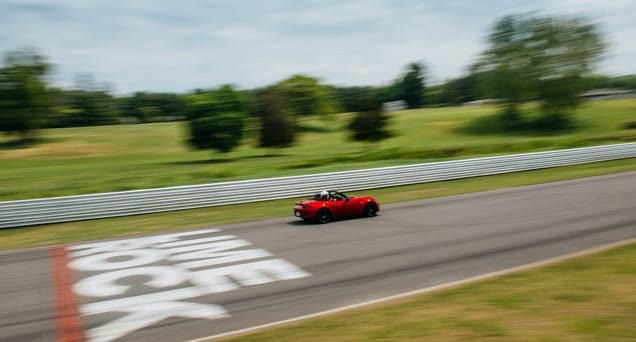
(342, 205)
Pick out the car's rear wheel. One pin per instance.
(323, 216)
(370, 210)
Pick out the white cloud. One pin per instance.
(179, 46)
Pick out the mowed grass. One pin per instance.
(85, 160)
(589, 298)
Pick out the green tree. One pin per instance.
(305, 95)
(507, 61)
(92, 108)
(370, 124)
(277, 128)
(542, 57)
(222, 132)
(600, 81)
(229, 100)
(200, 105)
(565, 50)
(460, 90)
(350, 97)
(216, 119)
(23, 93)
(152, 107)
(207, 103)
(626, 81)
(391, 92)
(413, 86)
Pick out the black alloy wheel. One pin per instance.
(370, 210)
(323, 216)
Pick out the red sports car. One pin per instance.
(327, 205)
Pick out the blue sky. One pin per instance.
(178, 46)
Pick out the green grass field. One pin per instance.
(113, 158)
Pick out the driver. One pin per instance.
(324, 195)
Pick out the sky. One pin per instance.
(178, 46)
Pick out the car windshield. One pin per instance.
(333, 195)
(337, 195)
(319, 196)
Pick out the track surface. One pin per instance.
(208, 282)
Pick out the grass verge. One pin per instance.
(83, 160)
(187, 219)
(589, 298)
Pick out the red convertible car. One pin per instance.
(328, 205)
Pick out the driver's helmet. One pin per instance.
(324, 195)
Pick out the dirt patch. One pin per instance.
(56, 150)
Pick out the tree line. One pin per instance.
(547, 59)
(215, 116)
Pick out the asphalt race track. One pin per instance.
(196, 284)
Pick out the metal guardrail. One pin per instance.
(112, 204)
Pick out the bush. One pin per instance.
(629, 125)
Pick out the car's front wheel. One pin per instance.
(323, 216)
(370, 210)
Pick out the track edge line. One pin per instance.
(433, 288)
